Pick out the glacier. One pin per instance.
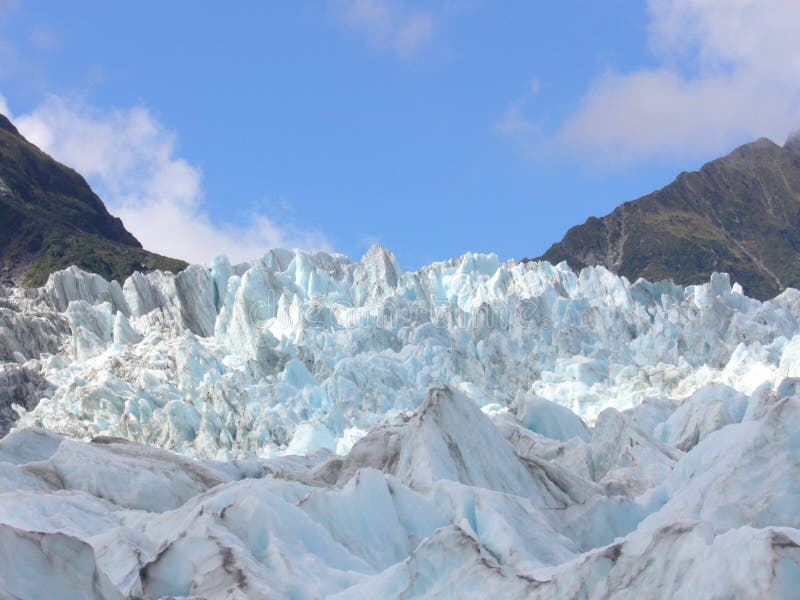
(308, 426)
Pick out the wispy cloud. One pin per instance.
(131, 160)
(389, 25)
(729, 71)
(514, 121)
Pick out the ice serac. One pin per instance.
(375, 517)
(309, 426)
(377, 275)
(550, 419)
(450, 564)
(449, 439)
(23, 385)
(25, 336)
(710, 408)
(743, 474)
(186, 299)
(684, 560)
(72, 284)
(373, 339)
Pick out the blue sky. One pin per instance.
(432, 127)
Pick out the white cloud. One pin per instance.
(388, 25)
(729, 71)
(130, 159)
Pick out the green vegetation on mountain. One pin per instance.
(51, 219)
(739, 214)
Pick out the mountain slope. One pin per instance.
(51, 219)
(739, 214)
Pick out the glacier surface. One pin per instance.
(310, 426)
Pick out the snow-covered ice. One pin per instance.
(309, 426)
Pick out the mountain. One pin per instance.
(51, 219)
(739, 214)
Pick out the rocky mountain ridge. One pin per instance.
(50, 219)
(739, 214)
